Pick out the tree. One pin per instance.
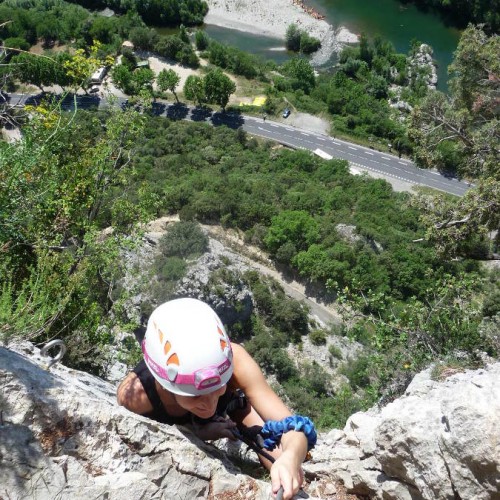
(168, 79)
(301, 72)
(201, 40)
(56, 268)
(144, 38)
(122, 78)
(169, 46)
(183, 34)
(308, 44)
(218, 87)
(463, 130)
(143, 79)
(292, 37)
(35, 70)
(194, 89)
(295, 226)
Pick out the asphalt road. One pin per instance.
(329, 147)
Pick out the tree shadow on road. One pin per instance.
(177, 111)
(201, 114)
(231, 120)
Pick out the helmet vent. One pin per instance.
(173, 360)
(167, 347)
(160, 334)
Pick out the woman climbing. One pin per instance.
(191, 373)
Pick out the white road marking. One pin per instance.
(303, 133)
(355, 149)
(368, 153)
(385, 158)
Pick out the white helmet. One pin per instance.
(187, 349)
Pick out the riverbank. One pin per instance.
(272, 18)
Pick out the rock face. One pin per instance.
(441, 440)
(63, 436)
(422, 62)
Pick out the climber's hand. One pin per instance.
(286, 472)
(218, 428)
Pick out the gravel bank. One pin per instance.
(272, 18)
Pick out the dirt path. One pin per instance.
(325, 313)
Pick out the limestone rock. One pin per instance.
(441, 440)
(63, 436)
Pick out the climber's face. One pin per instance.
(201, 406)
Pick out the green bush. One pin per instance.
(335, 352)
(184, 239)
(318, 337)
(170, 268)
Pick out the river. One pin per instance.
(393, 21)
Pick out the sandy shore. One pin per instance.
(272, 18)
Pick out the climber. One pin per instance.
(192, 374)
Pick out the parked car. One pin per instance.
(286, 113)
(94, 90)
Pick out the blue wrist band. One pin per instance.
(273, 430)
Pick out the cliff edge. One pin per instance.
(62, 435)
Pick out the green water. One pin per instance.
(393, 21)
(266, 47)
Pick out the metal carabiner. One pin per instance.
(53, 343)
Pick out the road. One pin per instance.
(385, 164)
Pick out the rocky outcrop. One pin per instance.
(62, 436)
(441, 440)
(420, 64)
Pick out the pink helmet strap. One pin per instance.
(200, 379)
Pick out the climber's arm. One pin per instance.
(266, 405)
(132, 396)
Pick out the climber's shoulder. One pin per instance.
(131, 395)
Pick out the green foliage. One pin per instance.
(174, 47)
(64, 22)
(56, 267)
(292, 38)
(461, 133)
(461, 13)
(308, 44)
(317, 337)
(40, 71)
(144, 38)
(168, 79)
(335, 352)
(357, 371)
(291, 226)
(301, 74)
(279, 311)
(185, 240)
(234, 60)
(218, 87)
(194, 89)
(298, 40)
(201, 40)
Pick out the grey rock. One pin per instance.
(62, 436)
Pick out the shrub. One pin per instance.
(318, 337)
(184, 239)
(335, 352)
